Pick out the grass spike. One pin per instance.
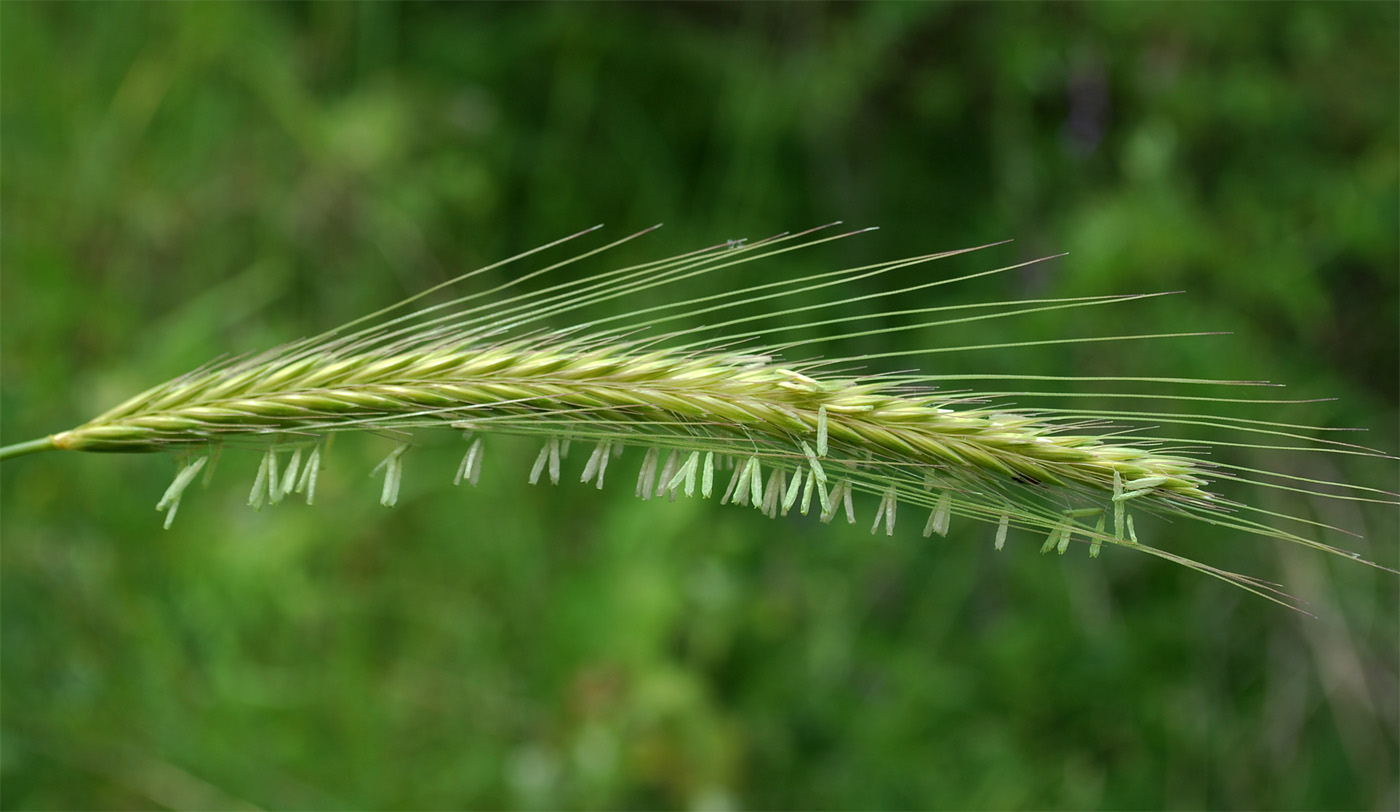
(486, 361)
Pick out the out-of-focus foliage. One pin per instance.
(185, 180)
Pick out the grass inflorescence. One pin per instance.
(724, 418)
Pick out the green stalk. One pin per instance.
(31, 447)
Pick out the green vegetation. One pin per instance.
(181, 182)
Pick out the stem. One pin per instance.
(20, 449)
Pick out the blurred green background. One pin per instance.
(185, 180)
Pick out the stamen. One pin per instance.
(743, 490)
(170, 502)
(1065, 537)
(393, 475)
(790, 498)
(812, 460)
(308, 475)
(603, 461)
(941, 517)
(554, 455)
(644, 476)
(776, 484)
(1051, 540)
(214, 454)
(885, 512)
(1117, 506)
(686, 474)
(538, 467)
(733, 481)
(274, 489)
(1130, 495)
(470, 469)
(597, 464)
(289, 478)
(1145, 482)
(255, 498)
(807, 491)
(667, 471)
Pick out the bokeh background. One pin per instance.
(185, 180)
